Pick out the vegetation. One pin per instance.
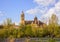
(51, 30)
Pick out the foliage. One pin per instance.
(51, 30)
(7, 23)
(28, 31)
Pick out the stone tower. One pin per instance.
(35, 19)
(22, 18)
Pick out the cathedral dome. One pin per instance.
(35, 18)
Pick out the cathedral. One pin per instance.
(35, 21)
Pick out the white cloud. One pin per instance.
(36, 10)
(45, 2)
(46, 12)
(55, 10)
(47, 15)
(49, 12)
(32, 11)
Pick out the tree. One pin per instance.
(53, 19)
(7, 23)
(3, 33)
(28, 31)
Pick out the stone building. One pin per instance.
(35, 21)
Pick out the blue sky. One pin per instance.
(12, 8)
(40, 8)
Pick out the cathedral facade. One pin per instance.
(35, 21)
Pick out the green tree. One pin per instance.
(53, 19)
(3, 33)
(7, 23)
(28, 31)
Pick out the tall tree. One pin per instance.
(53, 19)
(7, 23)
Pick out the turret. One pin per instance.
(22, 18)
(35, 19)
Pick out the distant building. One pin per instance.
(35, 21)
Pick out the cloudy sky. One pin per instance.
(43, 9)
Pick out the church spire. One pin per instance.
(35, 18)
(22, 12)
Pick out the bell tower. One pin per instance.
(35, 19)
(22, 18)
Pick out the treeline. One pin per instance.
(51, 30)
(28, 31)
